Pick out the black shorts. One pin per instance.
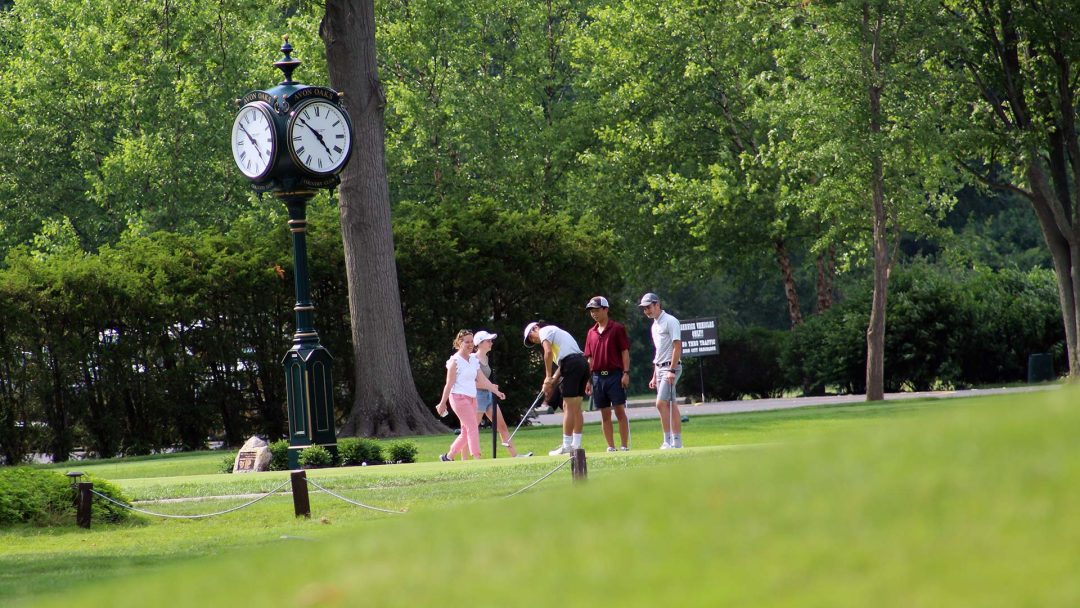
(574, 377)
(607, 389)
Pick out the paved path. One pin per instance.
(757, 405)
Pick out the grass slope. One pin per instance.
(976, 503)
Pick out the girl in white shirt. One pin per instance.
(463, 376)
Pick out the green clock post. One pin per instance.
(291, 141)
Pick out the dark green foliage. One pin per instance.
(402, 451)
(747, 365)
(47, 498)
(227, 463)
(354, 451)
(103, 511)
(279, 455)
(479, 266)
(945, 328)
(35, 497)
(159, 341)
(315, 457)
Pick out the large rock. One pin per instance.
(254, 456)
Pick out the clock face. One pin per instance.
(320, 137)
(254, 140)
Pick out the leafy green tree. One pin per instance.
(385, 402)
(112, 120)
(1013, 64)
(481, 100)
(859, 100)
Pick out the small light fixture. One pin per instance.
(75, 477)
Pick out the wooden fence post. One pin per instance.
(578, 468)
(301, 503)
(85, 501)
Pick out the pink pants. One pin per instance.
(465, 409)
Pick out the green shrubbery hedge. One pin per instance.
(183, 336)
(945, 328)
(46, 498)
(353, 451)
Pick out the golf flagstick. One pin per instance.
(524, 418)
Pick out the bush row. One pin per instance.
(165, 340)
(351, 451)
(47, 498)
(945, 328)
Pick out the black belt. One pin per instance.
(664, 364)
(607, 372)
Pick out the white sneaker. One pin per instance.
(624, 449)
(610, 449)
(665, 446)
(525, 455)
(563, 449)
(676, 443)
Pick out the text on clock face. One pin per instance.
(253, 141)
(319, 137)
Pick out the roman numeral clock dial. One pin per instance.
(254, 140)
(320, 137)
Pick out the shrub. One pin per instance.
(227, 464)
(403, 451)
(747, 363)
(946, 327)
(315, 457)
(47, 498)
(279, 455)
(354, 451)
(103, 510)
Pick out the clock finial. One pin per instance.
(287, 63)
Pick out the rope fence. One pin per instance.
(301, 501)
(546, 475)
(201, 516)
(352, 502)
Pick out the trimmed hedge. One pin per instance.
(353, 451)
(747, 365)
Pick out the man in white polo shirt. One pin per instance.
(667, 367)
(571, 376)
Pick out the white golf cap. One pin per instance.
(528, 330)
(649, 298)
(597, 302)
(482, 335)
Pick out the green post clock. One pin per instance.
(292, 140)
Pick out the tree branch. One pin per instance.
(993, 184)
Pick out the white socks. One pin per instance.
(575, 442)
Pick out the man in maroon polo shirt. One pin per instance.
(607, 347)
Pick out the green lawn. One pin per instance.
(931, 503)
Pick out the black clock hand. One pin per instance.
(251, 139)
(317, 136)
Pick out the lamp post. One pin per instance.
(291, 141)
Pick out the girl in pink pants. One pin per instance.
(463, 376)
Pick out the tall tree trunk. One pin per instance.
(1027, 107)
(792, 294)
(875, 333)
(826, 273)
(1063, 241)
(386, 402)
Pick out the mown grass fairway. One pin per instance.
(965, 502)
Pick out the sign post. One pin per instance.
(698, 338)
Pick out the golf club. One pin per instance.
(535, 402)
